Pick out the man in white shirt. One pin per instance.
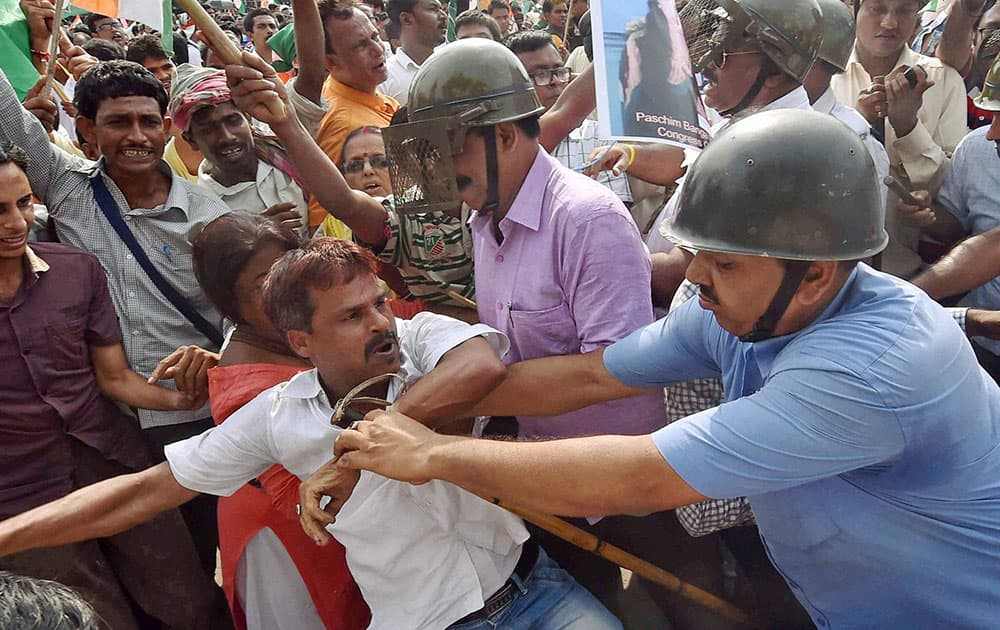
(923, 120)
(243, 167)
(424, 556)
(422, 25)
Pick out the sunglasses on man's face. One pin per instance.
(357, 166)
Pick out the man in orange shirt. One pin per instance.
(355, 60)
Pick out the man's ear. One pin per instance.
(85, 127)
(167, 125)
(820, 276)
(507, 136)
(298, 341)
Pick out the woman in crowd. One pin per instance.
(273, 574)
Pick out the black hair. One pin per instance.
(548, 5)
(103, 49)
(337, 10)
(528, 41)
(249, 18)
(181, 54)
(475, 16)
(91, 20)
(27, 602)
(497, 4)
(222, 250)
(365, 129)
(13, 154)
(115, 79)
(395, 7)
(146, 47)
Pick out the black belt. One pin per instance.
(503, 597)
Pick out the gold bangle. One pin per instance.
(631, 157)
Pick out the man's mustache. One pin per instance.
(377, 341)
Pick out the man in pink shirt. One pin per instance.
(560, 267)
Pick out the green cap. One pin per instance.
(791, 184)
(283, 43)
(468, 73)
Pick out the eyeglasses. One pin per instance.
(357, 166)
(722, 56)
(109, 26)
(543, 78)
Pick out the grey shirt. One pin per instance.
(151, 326)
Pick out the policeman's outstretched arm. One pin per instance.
(554, 386)
(611, 474)
(96, 511)
(256, 88)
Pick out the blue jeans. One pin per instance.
(550, 599)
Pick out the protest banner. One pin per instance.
(644, 81)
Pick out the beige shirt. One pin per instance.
(920, 156)
(270, 188)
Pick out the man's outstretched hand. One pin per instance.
(390, 444)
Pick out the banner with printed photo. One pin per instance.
(645, 88)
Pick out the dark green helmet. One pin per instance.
(989, 98)
(787, 31)
(790, 184)
(838, 33)
(468, 73)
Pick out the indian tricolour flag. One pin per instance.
(150, 12)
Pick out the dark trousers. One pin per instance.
(764, 593)
(200, 512)
(657, 538)
(146, 577)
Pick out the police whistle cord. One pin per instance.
(570, 533)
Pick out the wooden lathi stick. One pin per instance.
(218, 41)
(50, 68)
(589, 542)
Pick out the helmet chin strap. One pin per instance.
(795, 272)
(492, 175)
(751, 94)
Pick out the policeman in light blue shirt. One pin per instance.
(857, 418)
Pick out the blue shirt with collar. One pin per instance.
(868, 444)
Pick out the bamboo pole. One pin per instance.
(50, 68)
(587, 541)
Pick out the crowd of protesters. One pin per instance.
(771, 365)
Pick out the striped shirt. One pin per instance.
(151, 327)
(433, 252)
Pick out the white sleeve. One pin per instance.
(431, 336)
(310, 114)
(224, 458)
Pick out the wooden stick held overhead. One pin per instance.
(217, 39)
(50, 68)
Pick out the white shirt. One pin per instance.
(271, 187)
(401, 70)
(655, 241)
(828, 104)
(423, 556)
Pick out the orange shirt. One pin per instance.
(349, 109)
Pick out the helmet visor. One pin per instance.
(420, 164)
(706, 26)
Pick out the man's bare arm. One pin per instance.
(554, 386)
(463, 376)
(611, 474)
(257, 90)
(96, 511)
(955, 47)
(973, 262)
(310, 49)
